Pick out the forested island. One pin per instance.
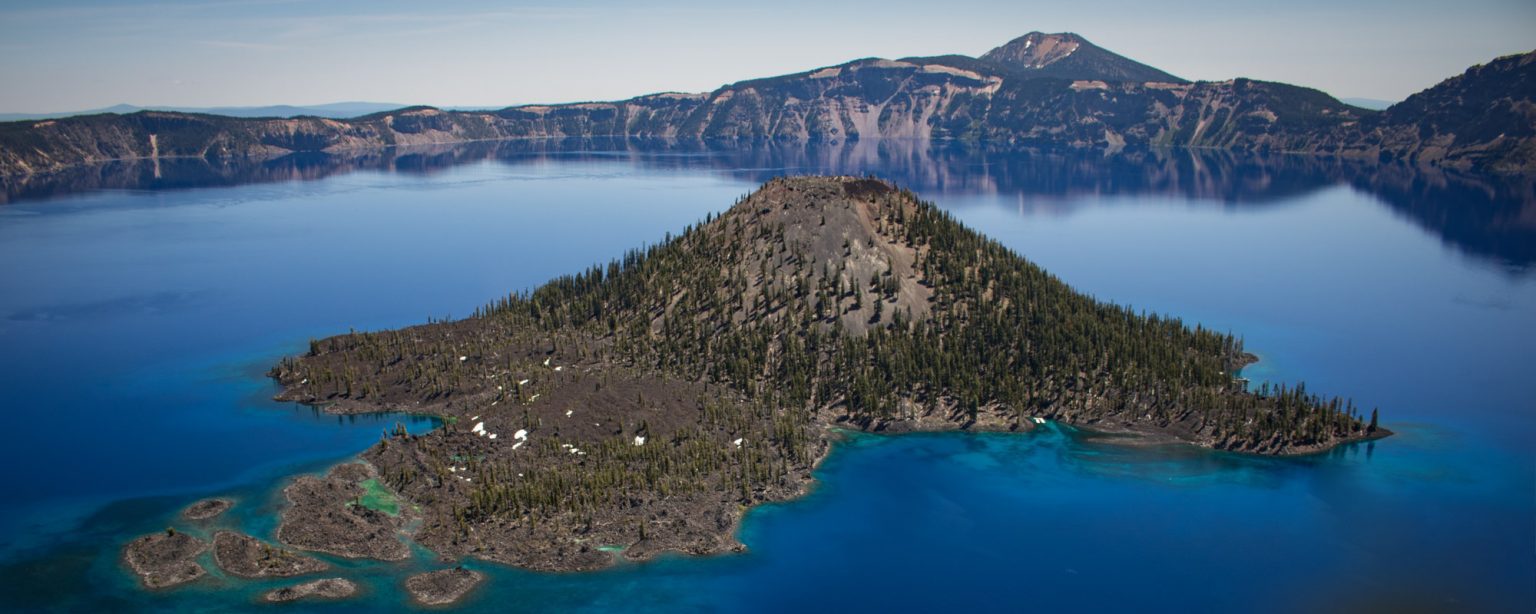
(645, 404)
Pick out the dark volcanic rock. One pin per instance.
(326, 588)
(166, 559)
(323, 516)
(248, 557)
(206, 509)
(442, 587)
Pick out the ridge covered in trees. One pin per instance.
(641, 405)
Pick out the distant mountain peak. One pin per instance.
(1036, 49)
(1069, 56)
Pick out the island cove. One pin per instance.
(644, 406)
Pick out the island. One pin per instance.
(207, 509)
(325, 588)
(443, 587)
(165, 559)
(247, 557)
(644, 405)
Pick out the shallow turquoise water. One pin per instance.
(135, 327)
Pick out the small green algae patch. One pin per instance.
(376, 498)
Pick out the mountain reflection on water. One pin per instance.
(1491, 218)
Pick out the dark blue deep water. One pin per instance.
(140, 307)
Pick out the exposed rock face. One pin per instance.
(1483, 118)
(326, 588)
(167, 559)
(1054, 90)
(442, 587)
(206, 509)
(248, 557)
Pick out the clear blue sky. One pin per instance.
(61, 55)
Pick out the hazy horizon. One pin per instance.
(90, 54)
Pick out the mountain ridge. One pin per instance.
(1075, 98)
(332, 110)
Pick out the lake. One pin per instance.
(142, 303)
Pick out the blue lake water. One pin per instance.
(139, 313)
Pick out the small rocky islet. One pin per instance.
(165, 559)
(643, 406)
(324, 588)
(442, 587)
(247, 557)
(207, 509)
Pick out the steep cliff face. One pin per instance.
(50, 145)
(1053, 90)
(1483, 118)
(1238, 114)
